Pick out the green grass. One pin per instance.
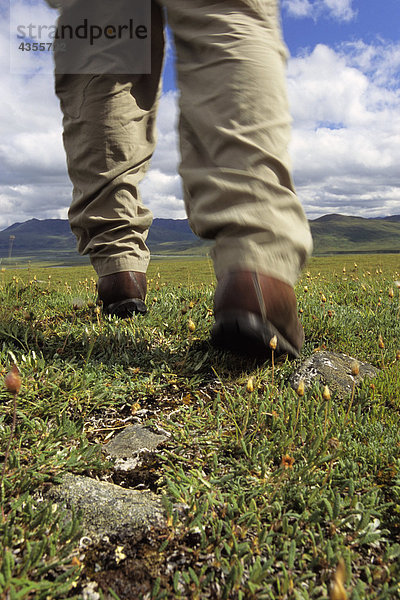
(264, 490)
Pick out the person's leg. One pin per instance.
(235, 128)
(109, 138)
(234, 132)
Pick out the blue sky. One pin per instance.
(344, 89)
(372, 20)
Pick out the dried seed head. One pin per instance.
(391, 292)
(250, 385)
(323, 298)
(135, 407)
(12, 380)
(381, 343)
(273, 342)
(326, 394)
(300, 388)
(398, 355)
(191, 325)
(119, 554)
(337, 590)
(287, 461)
(355, 368)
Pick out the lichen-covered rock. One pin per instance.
(131, 448)
(333, 369)
(108, 509)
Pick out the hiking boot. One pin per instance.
(123, 293)
(250, 309)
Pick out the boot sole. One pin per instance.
(126, 308)
(246, 333)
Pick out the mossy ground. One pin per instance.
(265, 490)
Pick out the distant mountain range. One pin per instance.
(339, 234)
(333, 234)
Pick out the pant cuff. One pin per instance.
(275, 262)
(107, 266)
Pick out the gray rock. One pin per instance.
(108, 509)
(131, 448)
(333, 369)
(131, 440)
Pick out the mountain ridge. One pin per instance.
(332, 234)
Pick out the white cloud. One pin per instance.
(340, 10)
(33, 176)
(346, 135)
(30, 21)
(298, 8)
(346, 140)
(33, 179)
(162, 189)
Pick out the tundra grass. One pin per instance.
(266, 490)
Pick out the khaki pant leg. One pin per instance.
(234, 132)
(109, 138)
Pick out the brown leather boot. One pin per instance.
(123, 293)
(250, 308)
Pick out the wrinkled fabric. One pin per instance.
(234, 132)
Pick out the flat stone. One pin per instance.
(132, 440)
(132, 448)
(108, 509)
(333, 369)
